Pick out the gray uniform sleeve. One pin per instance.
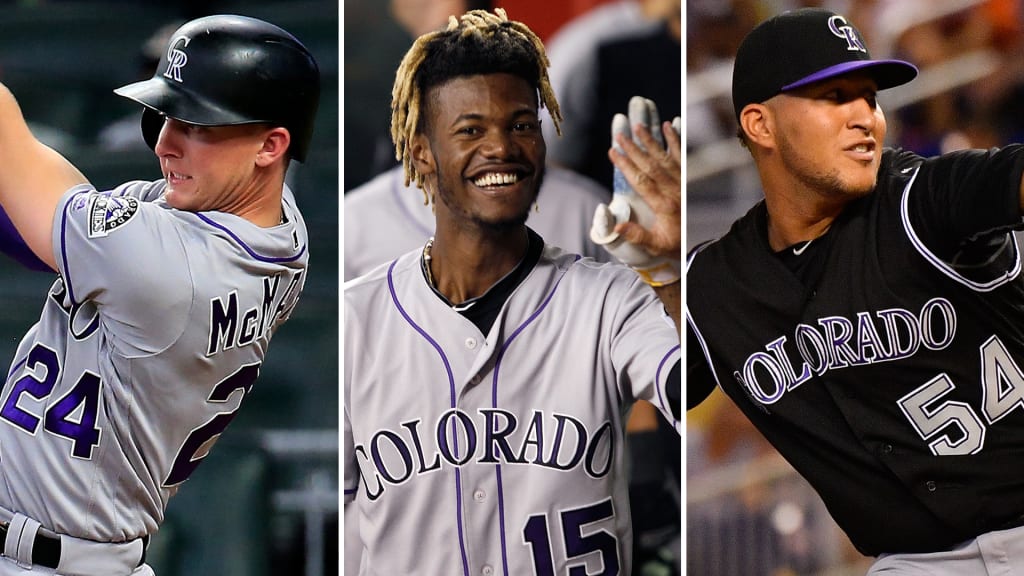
(645, 346)
(141, 189)
(125, 257)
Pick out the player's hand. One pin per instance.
(641, 226)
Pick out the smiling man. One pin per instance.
(482, 156)
(488, 375)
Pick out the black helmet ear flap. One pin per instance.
(152, 123)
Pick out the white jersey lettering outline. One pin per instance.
(840, 342)
(460, 440)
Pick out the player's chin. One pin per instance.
(180, 198)
(859, 182)
(498, 225)
(863, 185)
(506, 214)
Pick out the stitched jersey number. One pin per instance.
(192, 452)
(538, 537)
(1002, 391)
(73, 416)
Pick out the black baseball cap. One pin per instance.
(803, 46)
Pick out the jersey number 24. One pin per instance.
(74, 415)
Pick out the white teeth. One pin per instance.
(861, 148)
(496, 179)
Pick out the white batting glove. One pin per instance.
(627, 205)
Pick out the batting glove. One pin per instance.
(627, 205)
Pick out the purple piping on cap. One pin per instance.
(846, 67)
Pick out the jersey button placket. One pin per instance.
(487, 570)
(471, 343)
(479, 495)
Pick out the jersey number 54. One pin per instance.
(1002, 390)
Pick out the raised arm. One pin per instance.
(33, 177)
(657, 179)
(642, 226)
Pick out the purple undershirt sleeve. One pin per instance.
(12, 244)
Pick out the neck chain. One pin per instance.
(463, 306)
(426, 261)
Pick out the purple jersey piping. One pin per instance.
(245, 246)
(494, 404)
(17, 367)
(657, 381)
(451, 387)
(64, 252)
(63, 246)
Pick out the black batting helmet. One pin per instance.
(225, 69)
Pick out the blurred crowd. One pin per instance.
(968, 52)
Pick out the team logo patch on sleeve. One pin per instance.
(107, 213)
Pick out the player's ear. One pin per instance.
(421, 154)
(275, 144)
(755, 120)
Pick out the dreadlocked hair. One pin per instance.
(477, 43)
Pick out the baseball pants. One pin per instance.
(71, 556)
(9, 568)
(998, 553)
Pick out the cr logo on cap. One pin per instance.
(176, 58)
(839, 27)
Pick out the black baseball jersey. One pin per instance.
(889, 370)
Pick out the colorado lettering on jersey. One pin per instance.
(230, 327)
(456, 439)
(838, 342)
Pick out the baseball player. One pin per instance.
(866, 314)
(167, 295)
(488, 374)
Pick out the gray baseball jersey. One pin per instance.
(148, 342)
(384, 218)
(499, 453)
